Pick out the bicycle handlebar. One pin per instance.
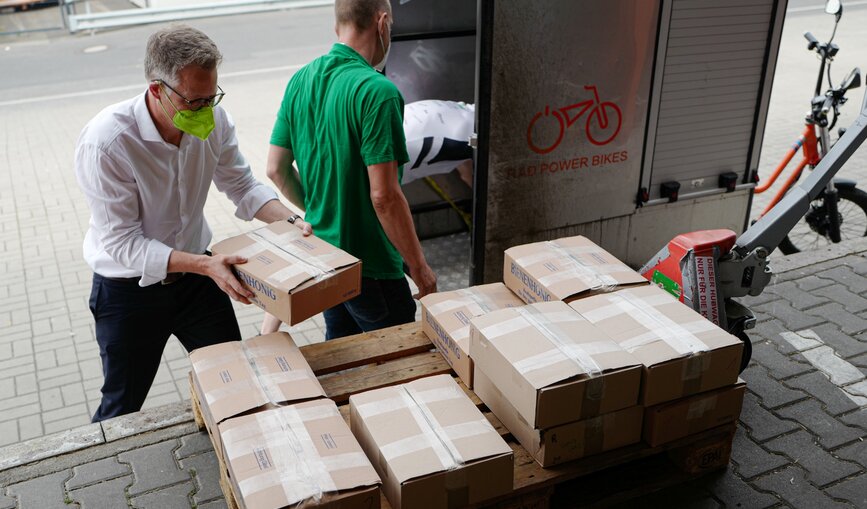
(773, 227)
(812, 39)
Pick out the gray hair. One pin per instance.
(172, 48)
(360, 13)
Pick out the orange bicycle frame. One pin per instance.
(810, 145)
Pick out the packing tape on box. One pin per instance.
(569, 348)
(597, 277)
(300, 261)
(545, 255)
(287, 455)
(680, 337)
(268, 383)
(477, 302)
(594, 435)
(433, 436)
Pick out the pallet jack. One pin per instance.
(707, 270)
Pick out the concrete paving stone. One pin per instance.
(831, 432)
(80, 418)
(136, 423)
(819, 387)
(799, 299)
(838, 370)
(5, 350)
(22, 347)
(216, 504)
(762, 424)
(780, 366)
(71, 378)
(796, 491)
(8, 502)
(44, 492)
(104, 494)
(173, 497)
(772, 393)
(752, 459)
(845, 344)
(26, 384)
(852, 302)
(849, 323)
(51, 399)
(733, 491)
(153, 402)
(847, 277)
(30, 427)
(822, 468)
(853, 490)
(9, 432)
(153, 467)
(101, 470)
(794, 319)
(811, 283)
(857, 452)
(7, 389)
(857, 418)
(9, 365)
(207, 476)
(46, 360)
(64, 413)
(196, 443)
(73, 393)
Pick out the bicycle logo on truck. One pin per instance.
(601, 127)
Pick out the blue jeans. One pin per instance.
(133, 325)
(382, 303)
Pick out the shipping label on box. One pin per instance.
(676, 419)
(301, 455)
(555, 366)
(239, 376)
(682, 352)
(564, 269)
(568, 441)
(292, 276)
(446, 321)
(430, 444)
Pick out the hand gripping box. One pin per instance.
(300, 455)
(568, 441)
(564, 269)
(676, 419)
(292, 276)
(236, 377)
(682, 352)
(430, 445)
(446, 319)
(554, 366)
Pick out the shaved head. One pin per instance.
(359, 13)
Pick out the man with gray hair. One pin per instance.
(145, 166)
(341, 120)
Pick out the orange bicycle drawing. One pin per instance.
(602, 125)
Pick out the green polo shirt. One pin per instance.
(339, 116)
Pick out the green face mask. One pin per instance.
(199, 123)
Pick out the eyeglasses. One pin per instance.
(197, 104)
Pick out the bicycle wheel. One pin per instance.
(602, 129)
(811, 233)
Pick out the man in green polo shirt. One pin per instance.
(341, 121)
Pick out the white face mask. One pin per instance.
(381, 65)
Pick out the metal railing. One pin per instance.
(76, 22)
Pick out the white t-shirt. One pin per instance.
(437, 137)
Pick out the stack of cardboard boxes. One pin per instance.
(282, 442)
(602, 360)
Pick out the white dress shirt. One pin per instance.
(147, 196)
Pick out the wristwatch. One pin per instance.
(293, 218)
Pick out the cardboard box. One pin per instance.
(237, 377)
(555, 366)
(564, 269)
(446, 319)
(682, 352)
(683, 417)
(568, 441)
(301, 455)
(292, 276)
(430, 444)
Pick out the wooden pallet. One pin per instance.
(400, 354)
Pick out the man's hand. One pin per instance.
(305, 227)
(219, 268)
(425, 279)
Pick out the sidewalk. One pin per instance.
(800, 442)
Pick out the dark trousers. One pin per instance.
(133, 325)
(382, 303)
